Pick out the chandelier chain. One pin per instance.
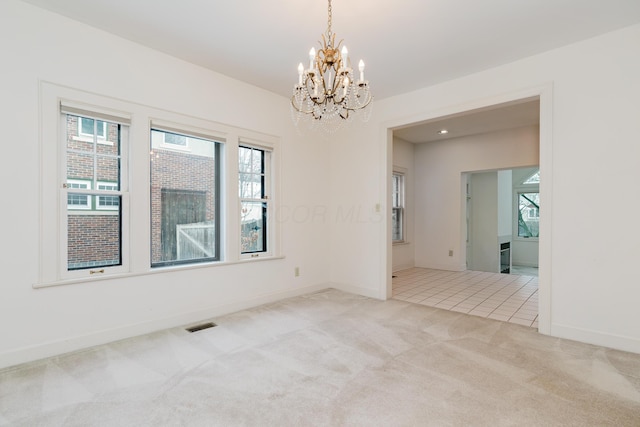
(329, 20)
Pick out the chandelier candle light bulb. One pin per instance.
(345, 57)
(312, 57)
(327, 95)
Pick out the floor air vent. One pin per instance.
(202, 326)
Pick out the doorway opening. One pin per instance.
(492, 138)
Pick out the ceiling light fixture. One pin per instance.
(443, 132)
(327, 95)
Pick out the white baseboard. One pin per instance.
(524, 264)
(617, 342)
(81, 342)
(401, 267)
(446, 267)
(357, 290)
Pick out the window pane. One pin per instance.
(397, 205)
(108, 202)
(184, 201)
(253, 222)
(175, 139)
(92, 127)
(80, 167)
(78, 201)
(396, 224)
(528, 214)
(108, 169)
(93, 240)
(253, 215)
(251, 166)
(93, 221)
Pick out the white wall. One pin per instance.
(40, 46)
(505, 203)
(524, 252)
(439, 204)
(484, 222)
(403, 253)
(589, 125)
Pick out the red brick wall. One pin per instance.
(93, 238)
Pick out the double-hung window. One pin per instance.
(254, 188)
(94, 188)
(397, 207)
(185, 197)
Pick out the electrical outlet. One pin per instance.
(450, 252)
(296, 272)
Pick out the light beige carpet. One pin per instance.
(331, 359)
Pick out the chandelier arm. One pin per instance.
(317, 100)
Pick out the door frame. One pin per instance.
(545, 95)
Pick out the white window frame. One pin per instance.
(266, 199)
(70, 108)
(401, 208)
(56, 103)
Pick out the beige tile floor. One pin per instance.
(508, 297)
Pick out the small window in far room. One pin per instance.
(529, 214)
(397, 208)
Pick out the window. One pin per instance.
(397, 207)
(185, 200)
(533, 179)
(93, 239)
(90, 127)
(108, 202)
(175, 139)
(254, 182)
(529, 214)
(78, 201)
(86, 209)
(526, 220)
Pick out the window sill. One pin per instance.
(89, 139)
(156, 270)
(401, 243)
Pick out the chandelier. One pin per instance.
(327, 95)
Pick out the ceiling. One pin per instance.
(406, 44)
(484, 120)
